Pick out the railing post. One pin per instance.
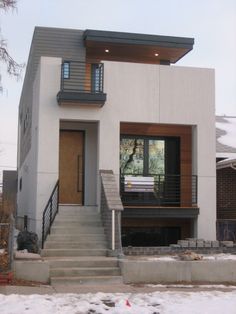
(113, 230)
(62, 76)
(57, 197)
(50, 216)
(43, 231)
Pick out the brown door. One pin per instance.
(71, 166)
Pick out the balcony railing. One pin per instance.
(81, 82)
(159, 190)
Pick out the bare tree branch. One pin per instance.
(8, 4)
(13, 68)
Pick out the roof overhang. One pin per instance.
(106, 45)
(227, 163)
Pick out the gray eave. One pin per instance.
(138, 39)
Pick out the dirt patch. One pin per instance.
(4, 262)
(21, 282)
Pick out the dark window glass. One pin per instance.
(66, 70)
(20, 184)
(97, 78)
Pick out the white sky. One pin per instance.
(211, 22)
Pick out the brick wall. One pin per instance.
(226, 193)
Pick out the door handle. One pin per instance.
(79, 174)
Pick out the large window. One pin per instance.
(157, 158)
(132, 156)
(149, 155)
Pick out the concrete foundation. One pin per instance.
(134, 271)
(32, 270)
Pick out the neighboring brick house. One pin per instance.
(226, 177)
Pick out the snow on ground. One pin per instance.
(212, 257)
(230, 128)
(100, 303)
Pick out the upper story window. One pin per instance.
(66, 70)
(97, 75)
(26, 120)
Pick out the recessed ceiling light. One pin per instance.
(107, 50)
(156, 54)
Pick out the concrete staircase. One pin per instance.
(77, 250)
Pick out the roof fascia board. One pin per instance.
(138, 39)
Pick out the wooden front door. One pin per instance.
(71, 167)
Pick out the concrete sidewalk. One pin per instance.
(115, 288)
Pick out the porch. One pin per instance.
(158, 190)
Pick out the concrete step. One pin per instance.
(76, 237)
(75, 245)
(82, 261)
(78, 217)
(77, 209)
(86, 280)
(84, 271)
(77, 224)
(74, 252)
(77, 230)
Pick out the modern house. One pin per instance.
(107, 122)
(226, 177)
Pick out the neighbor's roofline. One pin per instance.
(225, 155)
(227, 163)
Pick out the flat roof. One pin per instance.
(168, 48)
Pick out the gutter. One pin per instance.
(233, 165)
(226, 164)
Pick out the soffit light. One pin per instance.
(156, 54)
(107, 50)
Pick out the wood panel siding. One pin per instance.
(184, 132)
(87, 84)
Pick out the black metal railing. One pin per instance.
(158, 190)
(82, 77)
(49, 213)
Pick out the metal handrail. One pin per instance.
(111, 208)
(82, 77)
(50, 211)
(158, 189)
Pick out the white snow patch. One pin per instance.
(229, 127)
(162, 258)
(168, 302)
(218, 257)
(186, 286)
(213, 257)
